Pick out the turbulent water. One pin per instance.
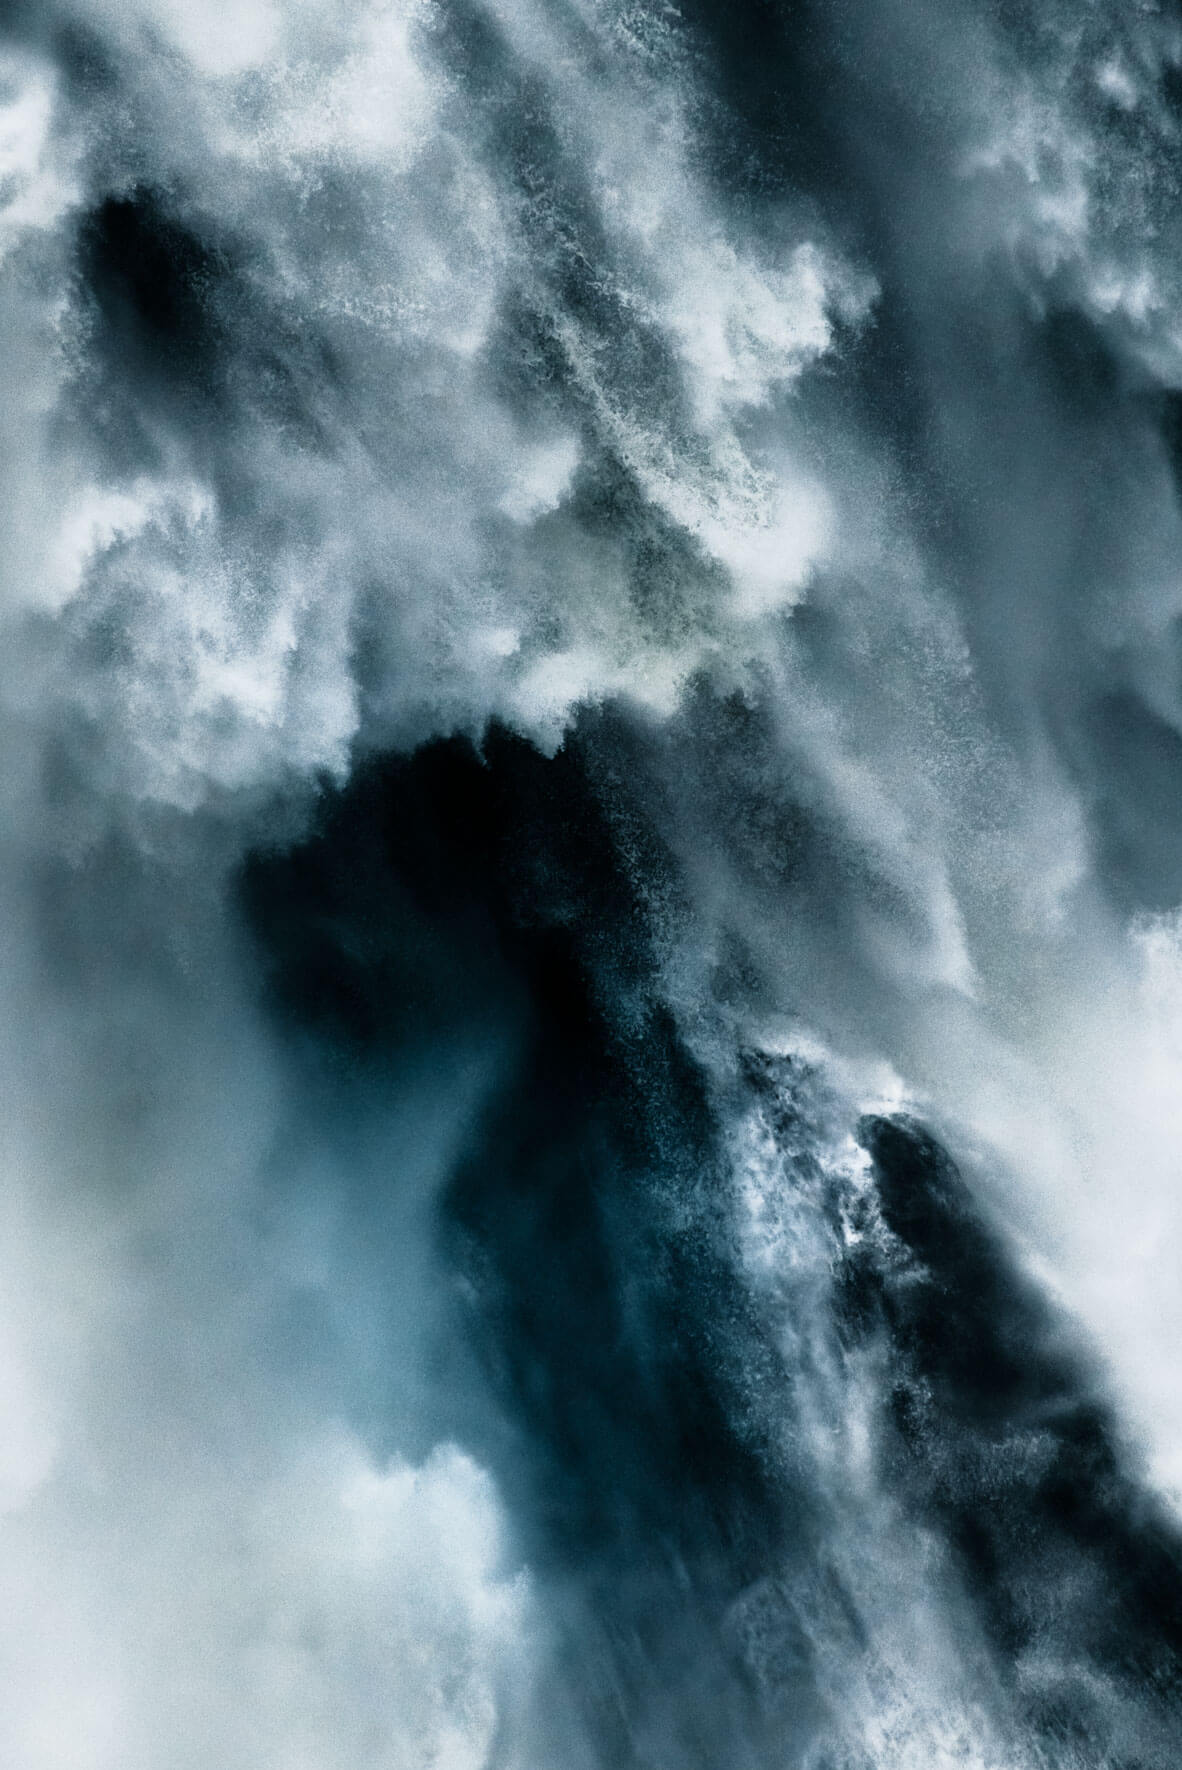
(590, 869)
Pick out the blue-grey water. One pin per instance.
(591, 885)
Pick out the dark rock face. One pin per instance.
(637, 1406)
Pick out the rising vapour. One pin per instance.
(591, 869)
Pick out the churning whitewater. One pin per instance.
(591, 885)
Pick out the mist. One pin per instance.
(591, 863)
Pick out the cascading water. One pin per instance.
(591, 865)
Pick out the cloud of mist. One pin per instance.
(770, 417)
